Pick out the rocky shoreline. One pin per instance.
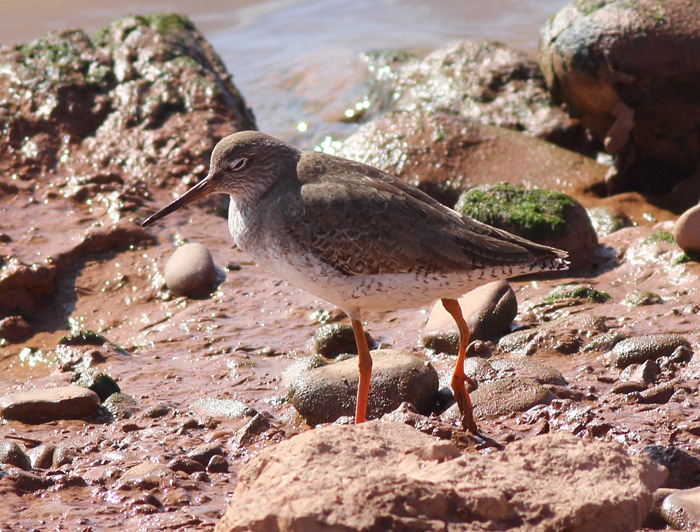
(149, 389)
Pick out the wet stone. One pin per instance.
(528, 369)
(658, 394)
(190, 271)
(121, 406)
(628, 387)
(12, 454)
(68, 402)
(147, 475)
(26, 482)
(571, 294)
(646, 372)
(638, 298)
(604, 222)
(488, 310)
(332, 339)
(217, 464)
(681, 509)
(42, 456)
(484, 81)
(564, 335)
(683, 468)
(508, 395)
(686, 230)
(14, 329)
(248, 432)
(102, 384)
(222, 408)
(604, 342)
(503, 396)
(203, 453)
(641, 348)
(188, 465)
(628, 70)
(324, 394)
(62, 456)
(418, 146)
(156, 411)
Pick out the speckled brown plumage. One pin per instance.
(363, 221)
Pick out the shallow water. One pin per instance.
(293, 60)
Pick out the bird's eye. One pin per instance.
(238, 164)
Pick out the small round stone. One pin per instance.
(14, 328)
(190, 271)
(686, 231)
(217, 464)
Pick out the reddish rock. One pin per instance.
(388, 476)
(37, 406)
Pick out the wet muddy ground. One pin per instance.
(184, 357)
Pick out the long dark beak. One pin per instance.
(204, 187)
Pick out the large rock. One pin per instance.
(388, 476)
(323, 394)
(483, 81)
(92, 129)
(443, 154)
(630, 69)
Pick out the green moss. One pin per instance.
(604, 222)
(102, 384)
(589, 6)
(576, 292)
(87, 337)
(660, 236)
(537, 213)
(168, 22)
(83, 337)
(639, 298)
(687, 256)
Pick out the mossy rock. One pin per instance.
(573, 294)
(102, 384)
(545, 216)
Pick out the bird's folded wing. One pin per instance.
(368, 225)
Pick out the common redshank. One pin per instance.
(359, 238)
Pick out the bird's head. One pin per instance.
(243, 165)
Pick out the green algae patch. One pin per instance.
(83, 337)
(576, 294)
(88, 337)
(638, 298)
(102, 384)
(536, 214)
(660, 236)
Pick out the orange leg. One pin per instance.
(460, 392)
(365, 366)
